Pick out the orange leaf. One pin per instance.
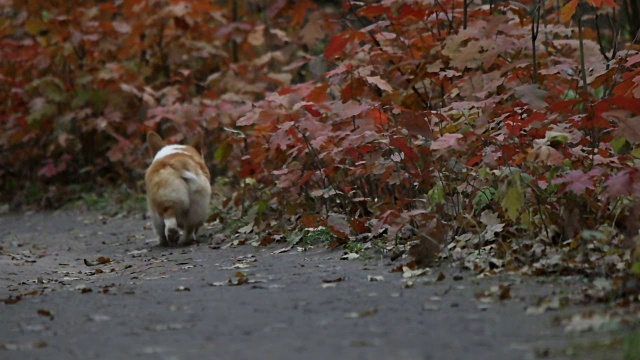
(568, 10)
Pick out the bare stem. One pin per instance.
(581, 40)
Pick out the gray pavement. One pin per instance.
(215, 301)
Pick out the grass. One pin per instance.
(111, 201)
(631, 346)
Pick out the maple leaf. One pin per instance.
(48, 170)
(598, 3)
(632, 60)
(513, 201)
(382, 84)
(447, 141)
(313, 31)
(256, 36)
(349, 109)
(568, 10)
(621, 184)
(338, 226)
(402, 144)
(628, 127)
(336, 45)
(417, 123)
(121, 27)
(531, 95)
(577, 181)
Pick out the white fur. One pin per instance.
(170, 150)
(188, 175)
(170, 223)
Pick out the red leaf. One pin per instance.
(565, 107)
(474, 160)
(627, 103)
(311, 110)
(335, 47)
(48, 170)
(306, 177)
(416, 123)
(318, 94)
(310, 220)
(373, 11)
(401, 143)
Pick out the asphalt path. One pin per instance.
(80, 285)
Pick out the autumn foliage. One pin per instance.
(502, 133)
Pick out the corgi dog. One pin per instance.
(178, 189)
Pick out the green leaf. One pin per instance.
(635, 268)
(223, 152)
(485, 173)
(45, 112)
(636, 153)
(621, 146)
(46, 16)
(483, 198)
(97, 99)
(590, 235)
(436, 194)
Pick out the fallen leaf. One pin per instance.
(430, 307)
(545, 304)
(408, 273)
(99, 317)
(283, 250)
(591, 322)
(39, 345)
(361, 314)
(349, 256)
(505, 292)
(375, 278)
(99, 261)
(47, 313)
(165, 327)
(238, 278)
(12, 300)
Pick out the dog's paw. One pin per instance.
(163, 241)
(173, 235)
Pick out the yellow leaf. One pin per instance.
(513, 201)
(568, 10)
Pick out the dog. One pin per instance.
(178, 189)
